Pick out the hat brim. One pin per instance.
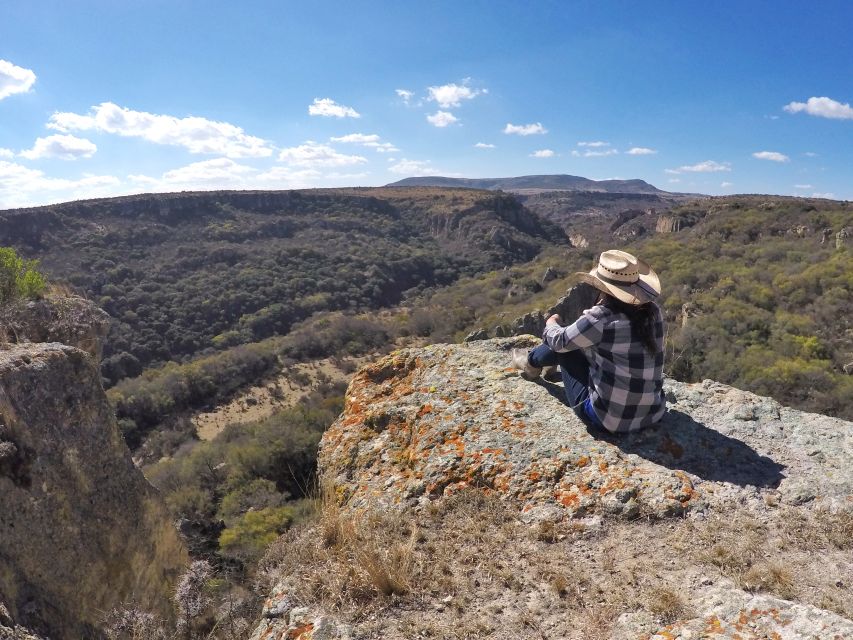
(646, 289)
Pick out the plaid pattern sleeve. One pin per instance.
(586, 331)
(625, 380)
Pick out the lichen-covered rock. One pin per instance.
(724, 612)
(81, 531)
(70, 320)
(423, 423)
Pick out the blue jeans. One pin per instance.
(575, 370)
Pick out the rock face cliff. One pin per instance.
(81, 531)
(727, 518)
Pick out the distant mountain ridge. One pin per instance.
(556, 182)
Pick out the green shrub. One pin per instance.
(249, 536)
(19, 278)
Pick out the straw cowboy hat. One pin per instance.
(623, 276)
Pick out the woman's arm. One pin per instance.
(585, 332)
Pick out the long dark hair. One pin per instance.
(642, 317)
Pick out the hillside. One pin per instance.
(462, 501)
(533, 183)
(757, 292)
(186, 273)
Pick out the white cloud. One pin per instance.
(312, 154)
(773, 156)
(596, 143)
(63, 147)
(674, 180)
(542, 153)
(810, 154)
(330, 109)
(218, 172)
(367, 140)
(197, 135)
(709, 166)
(224, 173)
(452, 95)
(414, 168)
(6, 153)
(14, 79)
(405, 95)
(484, 145)
(442, 119)
(822, 108)
(592, 153)
(357, 138)
(803, 186)
(726, 184)
(828, 196)
(640, 151)
(525, 129)
(21, 186)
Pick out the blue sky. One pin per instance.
(125, 96)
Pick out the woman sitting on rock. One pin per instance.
(611, 358)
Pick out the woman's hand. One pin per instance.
(554, 319)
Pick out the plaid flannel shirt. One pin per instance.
(625, 380)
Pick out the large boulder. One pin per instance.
(730, 519)
(81, 530)
(71, 320)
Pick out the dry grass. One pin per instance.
(772, 577)
(666, 604)
(467, 567)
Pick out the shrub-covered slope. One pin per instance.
(185, 272)
(754, 295)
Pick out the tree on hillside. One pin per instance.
(19, 278)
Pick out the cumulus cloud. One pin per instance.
(594, 153)
(542, 153)
(312, 154)
(224, 173)
(414, 168)
(405, 95)
(441, 118)
(63, 147)
(328, 108)
(594, 144)
(14, 79)
(640, 151)
(708, 166)
(484, 145)
(197, 135)
(452, 95)
(822, 107)
(803, 186)
(367, 140)
(726, 184)
(827, 196)
(810, 154)
(6, 153)
(525, 129)
(773, 156)
(21, 186)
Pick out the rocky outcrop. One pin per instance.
(70, 320)
(578, 241)
(670, 224)
(425, 428)
(422, 424)
(81, 531)
(841, 237)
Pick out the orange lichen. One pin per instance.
(300, 632)
(582, 461)
(427, 408)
